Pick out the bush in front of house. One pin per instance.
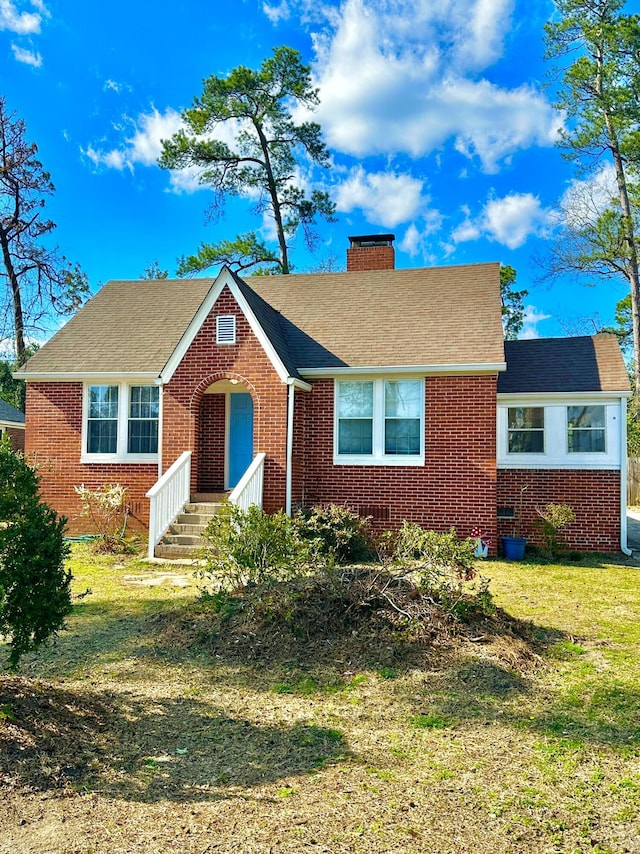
(251, 547)
(340, 534)
(106, 506)
(272, 562)
(444, 568)
(551, 521)
(35, 592)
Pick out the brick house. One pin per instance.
(12, 425)
(389, 390)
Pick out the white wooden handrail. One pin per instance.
(249, 488)
(167, 496)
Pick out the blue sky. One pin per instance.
(435, 112)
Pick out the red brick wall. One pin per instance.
(457, 484)
(211, 443)
(53, 440)
(371, 258)
(594, 497)
(245, 361)
(16, 437)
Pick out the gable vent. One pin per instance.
(226, 329)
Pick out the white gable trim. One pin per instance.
(224, 279)
(12, 425)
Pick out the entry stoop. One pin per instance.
(185, 536)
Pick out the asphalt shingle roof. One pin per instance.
(10, 413)
(126, 327)
(427, 316)
(581, 364)
(435, 316)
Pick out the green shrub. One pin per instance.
(552, 519)
(35, 593)
(251, 547)
(339, 534)
(443, 567)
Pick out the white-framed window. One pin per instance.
(379, 421)
(225, 329)
(144, 412)
(579, 433)
(586, 430)
(121, 421)
(525, 429)
(102, 419)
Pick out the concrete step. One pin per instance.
(202, 519)
(196, 528)
(185, 536)
(191, 540)
(210, 497)
(176, 552)
(209, 508)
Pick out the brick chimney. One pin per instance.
(371, 252)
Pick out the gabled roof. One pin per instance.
(429, 316)
(128, 327)
(9, 413)
(441, 316)
(547, 365)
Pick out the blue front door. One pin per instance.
(240, 436)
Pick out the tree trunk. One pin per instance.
(16, 295)
(275, 202)
(627, 221)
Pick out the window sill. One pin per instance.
(377, 461)
(86, 459)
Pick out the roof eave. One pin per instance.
(83, 376)
(475, 368)
(506, 396)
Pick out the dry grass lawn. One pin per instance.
(143, 729)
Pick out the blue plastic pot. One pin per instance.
(513, 547)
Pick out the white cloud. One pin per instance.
(28, 57)
(144, 146)
(276, 12)
(509, 221)
(512, 219)
(411, 243)
(20, 21)
(401, 76)
(532, 317)
(114, 86)
(488, 23)
(385, 198)
(414, 241)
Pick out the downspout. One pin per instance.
(159, 382)
(289, 463)
(623, 477)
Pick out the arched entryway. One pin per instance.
(225, 435)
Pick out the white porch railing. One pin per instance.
(249, 488)
(167, 496)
